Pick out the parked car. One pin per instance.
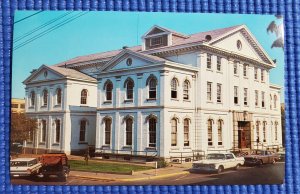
(218, 163)
(55, 164)
(259, 157)
(24, 167)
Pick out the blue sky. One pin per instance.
(103, 31)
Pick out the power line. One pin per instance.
(40, 27)
(49, 30)
(27, 17)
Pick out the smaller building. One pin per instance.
(17, 105)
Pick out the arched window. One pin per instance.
(257, 132)
(82, 131)
(107, 131)
(220, 128)
(152, 132)
(186, 130)
(186, 85)
(108, 90)
(43, 131)
(174, 132)
(264, 131)
(57, 131)
(84, 94)
(276, 131)
(45, 97)
(152, 88)
(174, 88)
(129, 123)
(209, 132)
(58, 96)
(275, 101)
(129, 89)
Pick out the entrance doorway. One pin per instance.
(244, 134)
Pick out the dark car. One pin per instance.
(259, 157)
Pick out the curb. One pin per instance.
(131, 179)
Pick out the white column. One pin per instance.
(99, 97)
(117, 93)
(139, 86)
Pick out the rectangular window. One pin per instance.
(245, 70)
(245, 96)
(257, 131)
(256, 98)
(174, 133)
(209, 97)
(219, 63)
(263, 99)
(255, 73)
(264, 131)
(186, 132)
(22, 105)
(208, 58)
(107, 131)
(152, 132)
(44, 131)
(14, 105)
(235, 68)
(236, 95)
(57, 131)
(82, 130)
(262, 75)
(219, 92)
(209, 133)
(156, 41)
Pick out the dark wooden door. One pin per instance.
(243, 139)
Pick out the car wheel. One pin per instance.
(237, 167)
(260, 163)
(220, 169)
(273, 161)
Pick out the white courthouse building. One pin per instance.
(174, 95)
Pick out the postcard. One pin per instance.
(136, 98)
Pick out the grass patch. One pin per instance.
(105, 167)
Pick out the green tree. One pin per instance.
(22, 127)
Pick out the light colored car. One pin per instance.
(24, 167)
(218, 163)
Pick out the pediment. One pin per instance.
(241, 41)
(44, 73)
(128, 59)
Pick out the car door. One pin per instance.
(230, 161)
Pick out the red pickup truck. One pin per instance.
(55, 164)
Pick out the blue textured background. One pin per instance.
(289, 8)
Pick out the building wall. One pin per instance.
(17, 105)
(69, 112)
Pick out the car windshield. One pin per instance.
(215, 157)
(258, 152)
(18, 163)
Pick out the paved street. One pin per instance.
(267, 174)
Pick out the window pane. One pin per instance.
(209, 132)
(107, 131)
(152, 88)
(174, 132)
(152, 132)
(129, 123)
